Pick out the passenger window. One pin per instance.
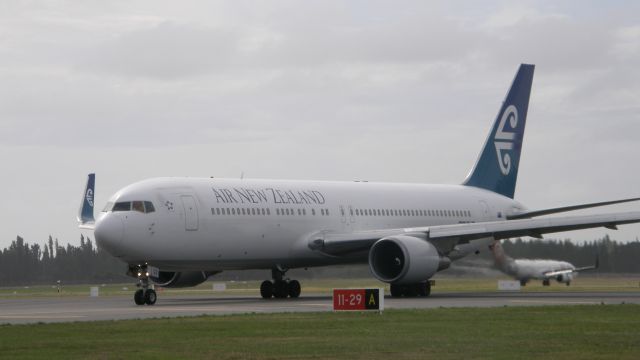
(218, 211)
(327, 212)
(313, 212)
(122, 206)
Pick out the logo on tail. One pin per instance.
(503, 147)
(89, 196)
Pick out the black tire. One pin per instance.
(395, 290)
(410, 290)
(138, 297)
(424, 289)
(266, 289)
(280, 289)
(546, 282)
(150, 297)
(294, 288)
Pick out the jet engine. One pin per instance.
(564, 278)
(180, 279)
(404, 259)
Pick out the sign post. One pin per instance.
(358, 300)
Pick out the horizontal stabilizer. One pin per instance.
(531, 214)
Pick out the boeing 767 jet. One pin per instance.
(177, 232)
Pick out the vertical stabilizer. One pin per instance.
(497, 167)
(86, 209)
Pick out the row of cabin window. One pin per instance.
(240, 211)
(264, 211)
(404, 212)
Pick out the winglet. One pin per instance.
(497, 167)
(85, 215)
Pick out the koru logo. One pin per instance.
(504, 139)
(89, 197)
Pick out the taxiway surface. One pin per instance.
(66, 309)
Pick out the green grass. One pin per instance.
(324, 286)
(553, 332)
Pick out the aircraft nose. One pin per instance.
(109, 232)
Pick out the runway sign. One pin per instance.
(508, 285)
(358, 299)
(219, 287)
(94, 291)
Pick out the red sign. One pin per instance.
(358, 299)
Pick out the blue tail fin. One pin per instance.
(86, 209)
(497, 167)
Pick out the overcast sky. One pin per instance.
(393, 91)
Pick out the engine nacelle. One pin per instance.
(404, 259)
(564, 278)
(180, 279)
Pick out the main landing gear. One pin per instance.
(421, 289)
(280, 288)
(145, 294)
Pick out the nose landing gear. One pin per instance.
(280, 288)
(145, 294)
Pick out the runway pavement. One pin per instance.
(23, 310)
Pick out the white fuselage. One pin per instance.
(527, 269)
(221, 224)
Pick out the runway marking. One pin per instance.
(40, 317)
(556, 302)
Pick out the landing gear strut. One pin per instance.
(280, 287)
(145, 294)
(421, 289)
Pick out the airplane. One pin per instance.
(177, 232)
(524, 270)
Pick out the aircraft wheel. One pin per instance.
(396, 290)
(294, 288)
(266, 289)
(410, 290)
(280, 289)
(545, 282)
(138, 297)
(150, 297)
(424, 289)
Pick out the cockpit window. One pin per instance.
(122, 206)
(108, 207)
(148, 205)
(137, 206)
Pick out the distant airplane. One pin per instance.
(176, 232)
(525, 270)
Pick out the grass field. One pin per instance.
(250, 288)
(554, 332)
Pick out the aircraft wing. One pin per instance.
(558, 272)
(444, 237)
(534, 213)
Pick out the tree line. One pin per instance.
(23, 264)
